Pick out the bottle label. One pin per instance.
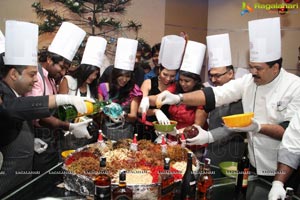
(123, 197)
(245, 177)
(102, 192)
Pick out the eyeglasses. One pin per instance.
(217, 75)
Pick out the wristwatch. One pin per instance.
(180, 99)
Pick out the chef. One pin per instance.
(269, 91)
(63, 47)
(19, 75)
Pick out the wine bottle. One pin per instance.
(102, 182)
(167, 182)
(243, 172)
(289, 193)
(205, 182)
(122, 192)
(188, 186)
(69, 112)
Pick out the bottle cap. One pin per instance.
(207, 161)
(102, 161)
(163, 141)
(100, 137)
(122, 176)
(134, 141)
(182, 137)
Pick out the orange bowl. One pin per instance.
(238, 120)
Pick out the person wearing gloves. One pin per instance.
(63, 47)
(19, 73)
(170, 57)
(83, 81)
(288, 160)
(220, 71)
(269, 91)
(122, 89)
(190, 80)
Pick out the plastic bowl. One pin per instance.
(163, 127)
(66, 153)
(229, 168)
(238, 120)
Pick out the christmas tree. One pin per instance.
(97, 17)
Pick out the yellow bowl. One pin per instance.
(66, 153)
(229, 168)
(163, 127)
(238, 120)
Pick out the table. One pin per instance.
(45, 185)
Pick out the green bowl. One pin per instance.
(229, 168)
(164, 128)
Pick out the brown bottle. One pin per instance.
(188, 186)
(205, 182)
(122, 192)
(167, 182)
(243, 172)
(102, 182)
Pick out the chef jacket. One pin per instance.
(289, 152)
(272, 103)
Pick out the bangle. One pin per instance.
(180, 99)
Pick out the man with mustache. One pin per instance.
(269, 91)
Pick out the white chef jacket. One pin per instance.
(272, 103)
(289, 152)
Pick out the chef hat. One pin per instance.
(125, 54)
(67, 40)
(21, 43)
(94, 51)
(2, 43)
(265, 40)
(171, 50)
(193, 57)
(218, 48)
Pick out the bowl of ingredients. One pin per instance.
(238, 120)
(165, 128)
(229, 168)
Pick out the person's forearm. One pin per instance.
(283, 172)
(272, 130)
(195, 98)
(52, 101)
(53, 123)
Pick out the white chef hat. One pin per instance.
(2, 43)
(265, 39)
(125, 54)
(21, 43)
(193, 57)
(94, 51)
(171, 51)
(218, 48)
(67, 40)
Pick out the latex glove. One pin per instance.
(277, 191)
(167, 97)
(79, 130)
(39, 145)
(120, 118)
(161, 117)
(253, 127)
(203, 137)
(144, 105)
(78, 102)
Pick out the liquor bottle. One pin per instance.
(100, 142)
(205, 181)
(289, 193)
(102, 182)
(243, 172)
(122, 192)
(69, 112)
(188, 186)
(134, 144)
(167, 182)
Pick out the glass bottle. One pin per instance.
(167, 182)
(69, 112)
(122, 192)
(102, 182)
(205, 181)
(289, 193)
(188, 186)
(243, 172)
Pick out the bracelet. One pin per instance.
(180, 99)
